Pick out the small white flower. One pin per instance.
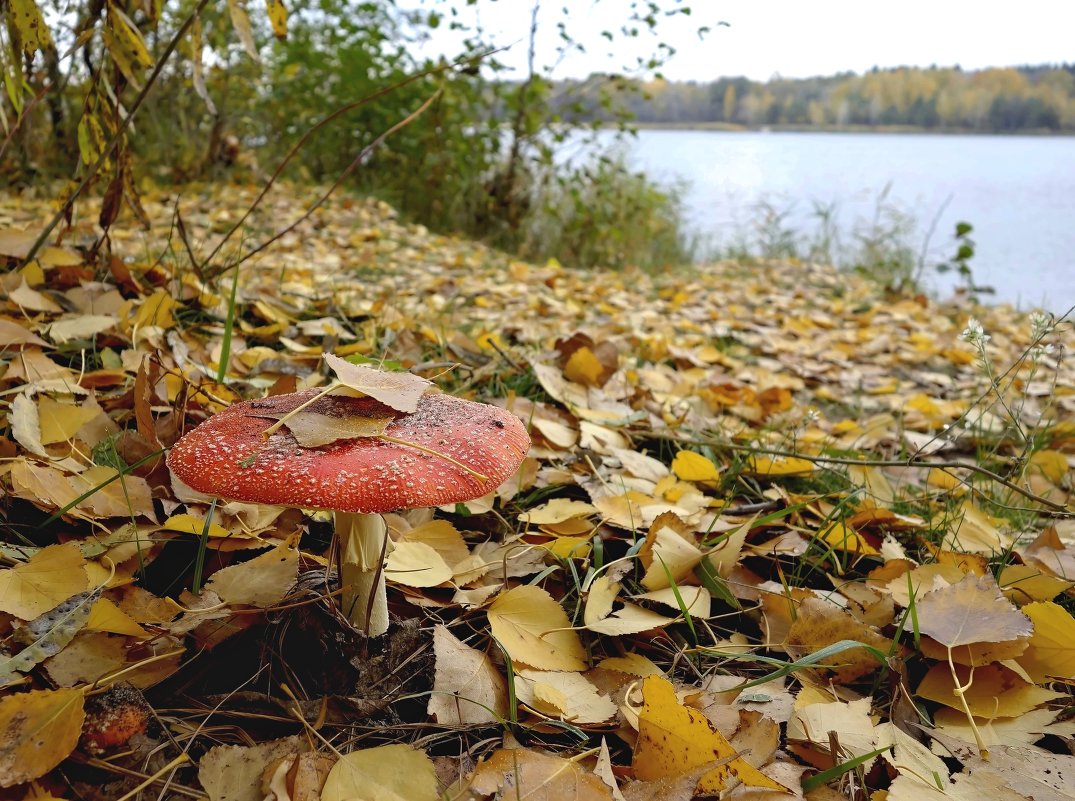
(1040, 324)
(974, 333)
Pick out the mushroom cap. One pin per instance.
(229, 456)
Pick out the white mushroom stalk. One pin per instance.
(364, 547)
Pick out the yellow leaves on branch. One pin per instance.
(277, 17)
(26, 19)
(674, 740)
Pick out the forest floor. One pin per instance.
(778, 533)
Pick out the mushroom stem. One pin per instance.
(364, 544)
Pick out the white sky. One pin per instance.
(796, 38)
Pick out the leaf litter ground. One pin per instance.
(779, 534)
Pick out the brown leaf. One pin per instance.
(972, 611)
(525, 775)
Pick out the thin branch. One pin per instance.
(106, 152)
(321, 124)
(336, 184)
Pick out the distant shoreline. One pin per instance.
(725, 127)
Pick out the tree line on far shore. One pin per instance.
(999, 100)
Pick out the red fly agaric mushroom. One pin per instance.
(357, 457)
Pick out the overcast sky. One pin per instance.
(796, 38)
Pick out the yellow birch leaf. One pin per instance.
(521, 774)
(557, 511)
(1022, 584)
(155, 310)
(34, 35)
(415, 564)
(534, 630)
(691, 466)
(261, 582)
(400, 391)
(995, 692)
(313, 429)
(1051, 464)
(278, 18)
(38, 730)
(842, 537)
(60, 422)
(764, 465)
(189, 524)
(385, 773)
(584, 368)
(674, 739)
(53, 575)
(569, 696)
(467, 686)
(972, 611)
(106, 616)
(1051, 652)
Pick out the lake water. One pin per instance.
(1017, 192)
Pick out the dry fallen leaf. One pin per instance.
(385, 773)
(974, 611)
(526, 775)
(38, 729)
(674, 739)
(1051, 651)
(467, 687)
(52, 576)
(535, 631)
(261, 582)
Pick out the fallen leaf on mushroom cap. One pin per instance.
(313, 429)
(533, 628)
(399, 391)
(971, 612)
(674, 739)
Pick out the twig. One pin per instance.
(336, 184)
(321, 124)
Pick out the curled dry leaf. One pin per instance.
(399, 391)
